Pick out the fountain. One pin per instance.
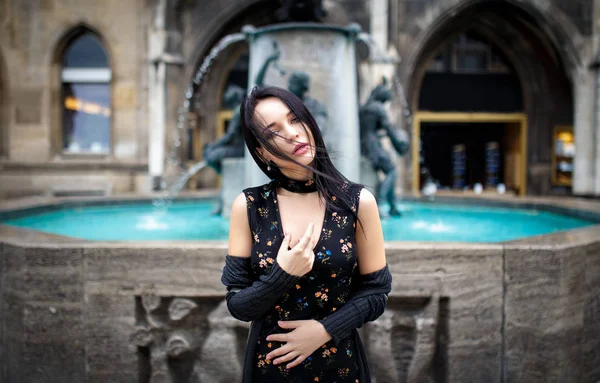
(328, 54)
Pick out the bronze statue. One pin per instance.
(299, 84)
(231, 144)
(375, 124)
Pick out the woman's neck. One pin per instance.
(298, 175)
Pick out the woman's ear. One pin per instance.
(262, 152)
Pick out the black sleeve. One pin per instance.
(365, 305)
(249, 298)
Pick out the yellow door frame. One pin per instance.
(516, 118)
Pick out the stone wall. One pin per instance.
(139, 312)
(43, 308)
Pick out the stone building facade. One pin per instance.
(521, 69)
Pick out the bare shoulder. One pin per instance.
(240, 237)
(369, 237)
(367, 202)
(368, 212)
(366, 196)
(239, 204)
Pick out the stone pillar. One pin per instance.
(596, 73)
(159, 60)
(378, 67)
(156, 144)
(596, 131)
(583, 177)
(379, 22)
(156, 96)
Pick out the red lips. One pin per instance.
(299, 146)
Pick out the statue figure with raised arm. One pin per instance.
(299, 84)
(231, 144)
(374, 125)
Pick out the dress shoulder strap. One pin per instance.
(257, 202)
(354, 190)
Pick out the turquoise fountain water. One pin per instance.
(191, 220)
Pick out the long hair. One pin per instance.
(330, 182)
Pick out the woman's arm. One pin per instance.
(249, 298)
(369, 299)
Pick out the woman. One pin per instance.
(306, 261)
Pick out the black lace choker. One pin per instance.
(296, 186)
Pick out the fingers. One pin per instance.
(287, 238)
(289, 324)
(305, 238)
(296, 361)
(278, 338)
(278, 352)
(287, 357)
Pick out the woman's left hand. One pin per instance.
(306, 337)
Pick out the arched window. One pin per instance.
(85, 80)
(468, 53)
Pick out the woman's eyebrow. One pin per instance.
(273, 123)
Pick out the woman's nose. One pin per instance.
(292, 133)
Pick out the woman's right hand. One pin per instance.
(299, 260)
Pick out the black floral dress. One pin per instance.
(316, 295)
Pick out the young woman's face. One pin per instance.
(284, 130)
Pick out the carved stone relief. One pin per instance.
(404, 342)
(194, 339)
(187, 339)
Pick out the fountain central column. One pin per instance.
(327, 54)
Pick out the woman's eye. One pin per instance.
(295, 120)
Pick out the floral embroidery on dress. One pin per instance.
(341, 221)
(347, 248)
(321, 296)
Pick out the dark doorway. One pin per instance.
(462, 154)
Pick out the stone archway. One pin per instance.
(530, 45)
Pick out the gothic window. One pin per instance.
(85, 78)
(467, 53)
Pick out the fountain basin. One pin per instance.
(523, 310)
(191, 220)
